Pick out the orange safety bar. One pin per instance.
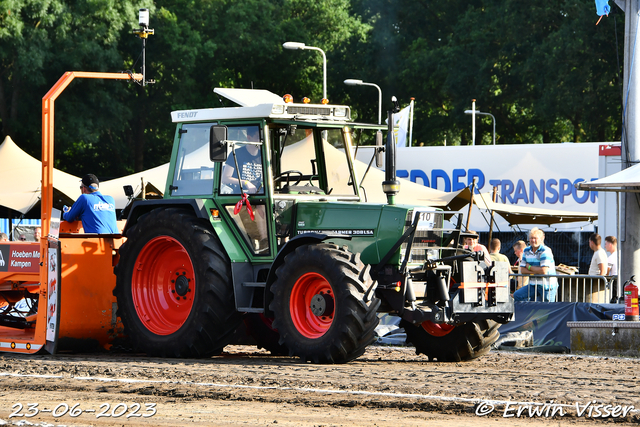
(48, 104)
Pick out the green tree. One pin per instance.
(543, 69)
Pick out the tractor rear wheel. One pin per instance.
(173, 286)
(319, 304)
(445, 343)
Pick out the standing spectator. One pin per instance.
(599, 263)
(494, 251)
(537, 259)
(4, 237)
(518, 249)
(37, 233)
(611, 246)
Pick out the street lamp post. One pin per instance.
(485, 114)
(356, 82)
(302, 46)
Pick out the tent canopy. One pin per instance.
(21, 175)
(516, 214)
(627, 180)
(20, 178)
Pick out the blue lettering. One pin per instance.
(554, 194)
(494, 183)
(473, 174)
(565, 188)
(417, 173)
(439, 173)
(401, 173)
(585, 195)
(507, 189)
(457, 174)
(536, 191)
(521, 192)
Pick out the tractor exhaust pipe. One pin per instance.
(390, 185)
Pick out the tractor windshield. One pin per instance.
(312, 161)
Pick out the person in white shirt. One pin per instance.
(599, 264)
(611, 246)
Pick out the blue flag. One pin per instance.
(602, 7)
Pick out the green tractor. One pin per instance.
(290, 245)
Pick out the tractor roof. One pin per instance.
(260, 103)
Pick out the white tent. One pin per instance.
(518, 214)
(21, 175)
(114, 187)
(627, 180)
(20, 178)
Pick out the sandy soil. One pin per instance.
(385, 387)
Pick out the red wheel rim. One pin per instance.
(163, 285)
(437, 329)
(304, 320)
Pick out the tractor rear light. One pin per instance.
(398, 286)
(215, 213)
(288, 98)
(277, 109)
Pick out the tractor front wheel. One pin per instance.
(319, 305)
(446, 343)
(173, 286)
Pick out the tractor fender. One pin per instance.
(141, 207)
(290, 246)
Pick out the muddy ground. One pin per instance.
(387, 386)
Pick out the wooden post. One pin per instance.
(494, 197)
(473, 186)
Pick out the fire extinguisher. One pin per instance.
(631, 301)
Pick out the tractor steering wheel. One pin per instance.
(287, 176)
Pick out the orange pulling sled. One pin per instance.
(58, 291)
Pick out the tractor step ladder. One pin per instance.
(249, 289)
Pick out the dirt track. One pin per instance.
(385, 387)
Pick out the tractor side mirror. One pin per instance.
(218, 147)
(379, 149)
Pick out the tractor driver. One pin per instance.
(96, 211)
(249, 160)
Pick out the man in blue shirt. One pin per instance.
(96, 211)
(537, 259)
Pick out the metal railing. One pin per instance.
(575, 288)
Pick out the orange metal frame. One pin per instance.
(48, 108)
(30, 342)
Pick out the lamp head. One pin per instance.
(293, 45)
(353, 82)
(143, 18)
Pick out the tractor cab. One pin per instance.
(286, 153)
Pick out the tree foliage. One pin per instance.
(543, 69)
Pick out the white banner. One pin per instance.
(537, 175)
